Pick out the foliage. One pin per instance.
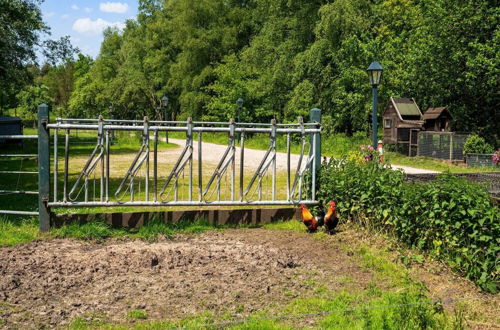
(477, 145)
(20, 26)
(450, 218)
(285, 57)
(30, 98)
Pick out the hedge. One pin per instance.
(450, 218)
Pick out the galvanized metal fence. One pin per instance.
(92, 186)
(442, 145)
(13, 173)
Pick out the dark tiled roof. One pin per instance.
(433, 113)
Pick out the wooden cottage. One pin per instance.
(437, 119)
(402, 122)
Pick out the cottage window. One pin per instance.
(387, 123)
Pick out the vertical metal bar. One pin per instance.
(155, 167)
(55, 164)
(132, 189)
(145, 134)
(273, 142)
(176, 192)
(86, 187)
(259, 187)
(218, 188)
(451, 146)
(315, 117)
(242, 162)
(233, 153)
(190, 139)
(288, 166)
(100, 133)
(313, 183)
(43, 167)
(200, 167)
(66, 163)
(107, 164)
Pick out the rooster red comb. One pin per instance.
(332, 204)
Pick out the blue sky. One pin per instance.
(84, 20)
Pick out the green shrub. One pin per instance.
(477, 145)
(450, 218)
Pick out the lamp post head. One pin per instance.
(240, 101)
(164, 101)
(375, 73)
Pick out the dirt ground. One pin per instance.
(240, 271)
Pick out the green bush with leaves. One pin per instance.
(477, 145)
(450, 218)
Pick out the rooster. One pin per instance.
(331, 219)
(309, 220)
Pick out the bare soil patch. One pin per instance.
(238, 271)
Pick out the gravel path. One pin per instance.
(212, 154)
(253, 157)
(413, 170)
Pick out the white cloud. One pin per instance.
(88, 10)
(65, 16)
(113, 7)
(49, 14)
(88, 26)
(74, 7)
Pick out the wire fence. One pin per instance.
(442, 145)
(480, 160)
(489, 180)
(225, 324)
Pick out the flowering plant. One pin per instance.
(496, 157)
(369, 152)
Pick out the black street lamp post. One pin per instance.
(374, 73)
(111, 117)
(164, 105)
(239, 101)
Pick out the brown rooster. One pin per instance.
(331, 218)
(309, 220)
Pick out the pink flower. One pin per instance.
(370, 148)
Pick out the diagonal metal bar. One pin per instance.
(140, 158)
(181, 163)
(90, 165)
(227, 159)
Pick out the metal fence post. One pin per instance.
(315, 117)
(43, 167)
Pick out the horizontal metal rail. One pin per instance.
(183, 129)
(18, 137)
(183, 203)
(18, 172)
(19, 155)
(161, 122)
(33, 213)
(20, 192)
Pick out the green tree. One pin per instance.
(30, 98)
(20, 28)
